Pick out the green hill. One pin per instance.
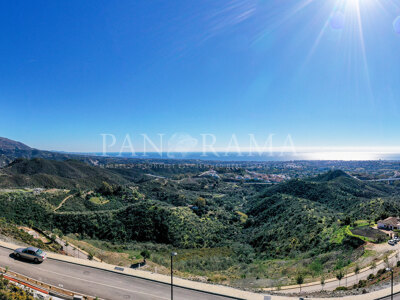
(331, 175)
(336, 190)
(55, 174)
(7, 144)
(283, 225)
(301, 216)
(299, 219)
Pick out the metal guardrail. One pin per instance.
(42, 287)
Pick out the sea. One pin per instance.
(257, 157)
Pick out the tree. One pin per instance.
(373, 265)
(347, 220)
(370, 221)
(339, 276)
(386, 260)
(145, 254)
(200, 202)
(357, 270)
(30, 223)
(2, 224)
(58, 232)
(106, 189)
(53, 237)
(300, 280)
(322, 281)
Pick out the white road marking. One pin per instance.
(106, 285)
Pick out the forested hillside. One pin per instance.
(299, 218)
(55, 174)
(294, 217)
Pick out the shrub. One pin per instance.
(371, 276)
(145, 254)
(380, 272)
(362, 283)
(341, 288)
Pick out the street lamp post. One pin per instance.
(172, 274)
(391, 271)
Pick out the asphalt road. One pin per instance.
(94, 282)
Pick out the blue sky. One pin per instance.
(324, 72)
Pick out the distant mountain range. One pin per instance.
(11, 150)
(10, 145)
(44, 173)
(23, 166)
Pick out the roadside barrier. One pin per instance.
(41, 286)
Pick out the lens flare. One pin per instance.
(396, 25)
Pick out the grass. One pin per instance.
(369, 253)
(364, 238)
(361, 223)
(217, 265)
(368, 234)
(339, 235)
(106, 251)
(99, 200)
(15, 190)
(219, 196)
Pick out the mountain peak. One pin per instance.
(10, 145)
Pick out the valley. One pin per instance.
(226, 226)
(226, 233)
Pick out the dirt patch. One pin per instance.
(371, 233)
(34, 234)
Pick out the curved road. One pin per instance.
(94, 282)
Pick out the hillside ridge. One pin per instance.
(7, 145)
(38, 172)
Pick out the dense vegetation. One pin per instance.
(70, 174)
(287, 219)
(241, 225)
(305, 215)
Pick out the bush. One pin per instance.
(362, 283)
(341, 288)
(380, 272)
(370, 277)
(145, 254)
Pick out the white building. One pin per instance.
(389, 223)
